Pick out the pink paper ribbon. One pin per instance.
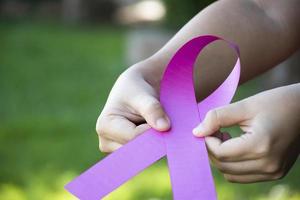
(187, 156)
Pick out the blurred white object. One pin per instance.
(142, 11)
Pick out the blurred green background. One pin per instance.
(54, 79)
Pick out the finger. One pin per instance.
(220, 117)
(240, 168)
(223, 137)
(108, 146)
(251, 178)
(150, 108)
(236, 149)
(260, 166)
(119, 129)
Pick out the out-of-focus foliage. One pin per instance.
(54, 80)
(180, 11)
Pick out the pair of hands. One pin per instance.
(270, 120)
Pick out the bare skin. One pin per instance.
(267, 32)
(270, 142)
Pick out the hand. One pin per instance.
(270, 144)
(132, 107)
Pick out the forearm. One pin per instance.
(266, 34)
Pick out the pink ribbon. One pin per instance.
(187, 156)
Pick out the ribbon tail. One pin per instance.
(118, 167)
(189, 170)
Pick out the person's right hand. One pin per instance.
(270, 144)
(132, 107)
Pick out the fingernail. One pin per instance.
(162, 123)
(198, 130)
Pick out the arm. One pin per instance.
(266, 32)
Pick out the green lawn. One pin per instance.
(54, 81)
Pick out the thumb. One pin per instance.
(151, 110)
(220, 117)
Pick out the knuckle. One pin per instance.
(263, 150)
(273, 167)
(100, 131)
(220, 157)
(212, 118)
(222, 168)
(153, 107)
(265, 144)
(104, 148)
(100, 127)
(212, 153)
(211, 115)
(101, 147)
(230, 178)
(146, 103)
(278, 175)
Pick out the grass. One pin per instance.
(54, 81)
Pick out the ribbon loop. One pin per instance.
(183, 149)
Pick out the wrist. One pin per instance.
(151, 69)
